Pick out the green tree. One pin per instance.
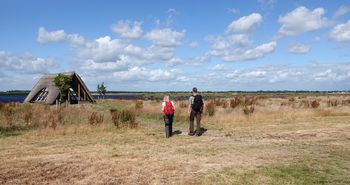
(101, 89)
(62, 82)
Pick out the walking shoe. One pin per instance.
(198, 133)
(191, 133)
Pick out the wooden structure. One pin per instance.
(46, 92)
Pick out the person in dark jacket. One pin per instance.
(195, 109)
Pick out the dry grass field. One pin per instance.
(248, 140)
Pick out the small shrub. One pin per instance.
(332, 103)
(95, 118)
(345, 102)
(305, 103)
(210, 108)
(315, 104)
(235, 101)
(224, 104)
(292, 99)
(249, 101)
(183, 104)
(218, 102)
(115, 118)
(248, 110)
(139, 104)
(127, 116)
(124, 117)
(2, 105)
(27, 114)
(9, 114)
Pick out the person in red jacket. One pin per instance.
(168, 109)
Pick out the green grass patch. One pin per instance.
(12, 131)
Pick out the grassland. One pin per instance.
(284, 140)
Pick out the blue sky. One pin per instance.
(175, 45)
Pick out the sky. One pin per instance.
(159, 45)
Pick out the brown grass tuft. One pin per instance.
(138, 104)
(235, 101)
(315, 104)
(210, 108)
(95, 118)
(248, 110)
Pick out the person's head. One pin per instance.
(166, 98)
(194, 90)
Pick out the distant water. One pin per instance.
(8, 99)
(20, 98)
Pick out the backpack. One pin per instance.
(197, 103)
(168, 108)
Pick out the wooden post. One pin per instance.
(84, 95)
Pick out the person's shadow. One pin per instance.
(179, 132)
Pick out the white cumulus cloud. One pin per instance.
(301, 20)
(251, 54)
(244, 24)
(128, 29)
(299, 48)
(341, 11)
(27, 63)
(44, 36)
(341, 32)
(165, 37)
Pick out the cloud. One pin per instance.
(267, 3)
(251, 54)
(218, 67)
(128, 29)
(44, 36)
(244, 24)
(193, 44)
(103, 49)
(299, 48)
(165, 37)
(312, 74)
(341, 11)
(301, 20)
(233, 10)
(142, 73)
(341, 32)
(25, 64)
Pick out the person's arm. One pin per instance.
(173, 104)
(203, 105)
(189, 105)
(163, 105)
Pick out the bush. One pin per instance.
(248, 110)
(28, 114)
(332, 103)
(345, 102)
(183, 104)
(235, 101)
(305, 103)
(249, 101)
(224, 104)
(210, 108)
(139, 104)
(125, 117)
(95, 118)
(115, 118)
(315, 104)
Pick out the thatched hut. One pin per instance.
(46, 92)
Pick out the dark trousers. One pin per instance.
(168, 119)
(198, 116)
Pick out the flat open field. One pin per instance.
(283, 140)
